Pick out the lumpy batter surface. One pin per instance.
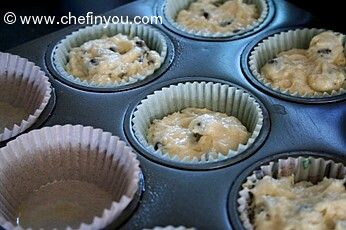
(282, 204)
(112, 59)
(10, 115)
(64, 203)
(217, 16)
(194, 132)
(320, 68)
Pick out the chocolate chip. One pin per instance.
(236, 31)
(121, 75)
(324, 51)
(251, 196)
(150, 60)
(205, 14)
(113, 48)
(94, 61)
(304, 207)
(268, 217)
(251, 211)
(197, 136)
(273, 61)
(140, 43)
(225, 23)
(157, 145)
(218, 3)
(199, 124)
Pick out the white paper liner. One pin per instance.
(152, 37)
(303, 168)
(67, 153)
(23, 85)
(173, 7)
(273, 45)
(213, 96)
(170, 227)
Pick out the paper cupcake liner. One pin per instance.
(303, 168)
(150, 35)
(173, 7)
(170, 228)
(273, 45)
(67, 153)
(213, 96)
(22, 85)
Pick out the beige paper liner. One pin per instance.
(170, 227)
(214, 96)
(152, 37)
(303, 168)
(273, 45)
(67, 153)
(23, 85)
(173, 7)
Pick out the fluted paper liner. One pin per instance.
(173, 7)
(273, 45)
(25, 86)
(303, 168)
(170, 227)
(213, 96)
(67, 153)
(152, 37)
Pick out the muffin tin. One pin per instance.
(174, 195)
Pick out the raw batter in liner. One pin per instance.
(194, 132)
(281, 204)
(213, 16)
(320, 68)
(112, 59)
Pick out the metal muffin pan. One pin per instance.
(195, 198)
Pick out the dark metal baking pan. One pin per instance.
(188, 197)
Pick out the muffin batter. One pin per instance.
(281, 204)
(194, 132)
(320, 68)
(64, 203)
(213, 16)
(112, 59)
(10, 115)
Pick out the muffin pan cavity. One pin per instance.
(24, 94)
(219, 97)
(304, 165)
(169, 9)
(75, 156)
(57, 55)
(260, 51)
